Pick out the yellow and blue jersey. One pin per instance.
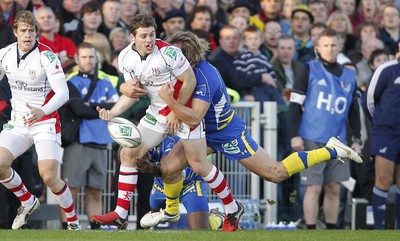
(225, 131)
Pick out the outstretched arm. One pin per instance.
(122, 105)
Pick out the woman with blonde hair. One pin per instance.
(119, 39)
(339, 22)
(103, 48)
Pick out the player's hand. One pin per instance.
(144, 166)
(297, 143)
(166, 92)
(173, 124)
(33, 115)
(104, 114)
(356, 147)
(132, 89)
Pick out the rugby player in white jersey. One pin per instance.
(147, 64)
(38, 89)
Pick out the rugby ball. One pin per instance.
(215, 219)
(124, 132)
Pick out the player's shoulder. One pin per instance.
(46, 53)
(168, 50)
(7, 49)
(126, 52)
(388, 68)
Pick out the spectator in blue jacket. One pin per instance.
(85, 160)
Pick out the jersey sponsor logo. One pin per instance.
(171, 52)
(24, 86)
(231, 147)
(201, 90)
(8, 126)
(50, 56)
(150, 119)
(338, 106)
(150, 83)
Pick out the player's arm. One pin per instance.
(123, 103)
(191, 116)
(56, 78)
(375, 89)
(188, 84)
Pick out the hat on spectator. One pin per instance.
(305, 9)
(241, 3)
(174, 13)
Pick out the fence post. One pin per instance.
(269, 125)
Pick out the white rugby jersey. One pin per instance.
(28, 80)
(161, 66)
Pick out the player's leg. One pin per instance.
(194, 198)
(261, 163)
(128, 174)
(196, 153)
(384, 146)
(157, 204)
(49, 158)
(384, 170)
(13, 145)
(171, 168)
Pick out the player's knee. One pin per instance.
(3, 168)
(274, 173)
(126, 155)
(384, 182)
(48, 179)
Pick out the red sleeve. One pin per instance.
(70, 47)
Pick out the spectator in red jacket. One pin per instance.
(62, 46)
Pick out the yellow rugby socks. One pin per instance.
(298, 161)
(172, 192)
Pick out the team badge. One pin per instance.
(171, 52)
(231, 147)
(32, 74)
(50, 56)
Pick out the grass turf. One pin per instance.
(175, 235)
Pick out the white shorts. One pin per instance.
(157, 123)
(18, 139)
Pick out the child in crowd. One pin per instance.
(252, 61)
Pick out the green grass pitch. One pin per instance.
(175, 235)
